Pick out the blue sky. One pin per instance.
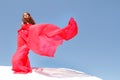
(96, 48)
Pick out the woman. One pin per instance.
(20, 60)
(43, 39)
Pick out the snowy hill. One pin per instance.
(45, 74)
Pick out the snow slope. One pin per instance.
(45, 74)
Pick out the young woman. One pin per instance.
(20, 60)
(42, 39)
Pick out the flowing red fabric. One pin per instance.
(43, 39)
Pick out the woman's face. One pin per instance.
(26, 15)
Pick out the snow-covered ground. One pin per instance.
(45, 74)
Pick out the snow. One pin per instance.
(45, 74)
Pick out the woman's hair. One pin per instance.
(27, 20)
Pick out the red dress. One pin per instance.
(43, 39)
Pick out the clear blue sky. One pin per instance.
(96, 48)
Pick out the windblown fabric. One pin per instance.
(43, 39)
